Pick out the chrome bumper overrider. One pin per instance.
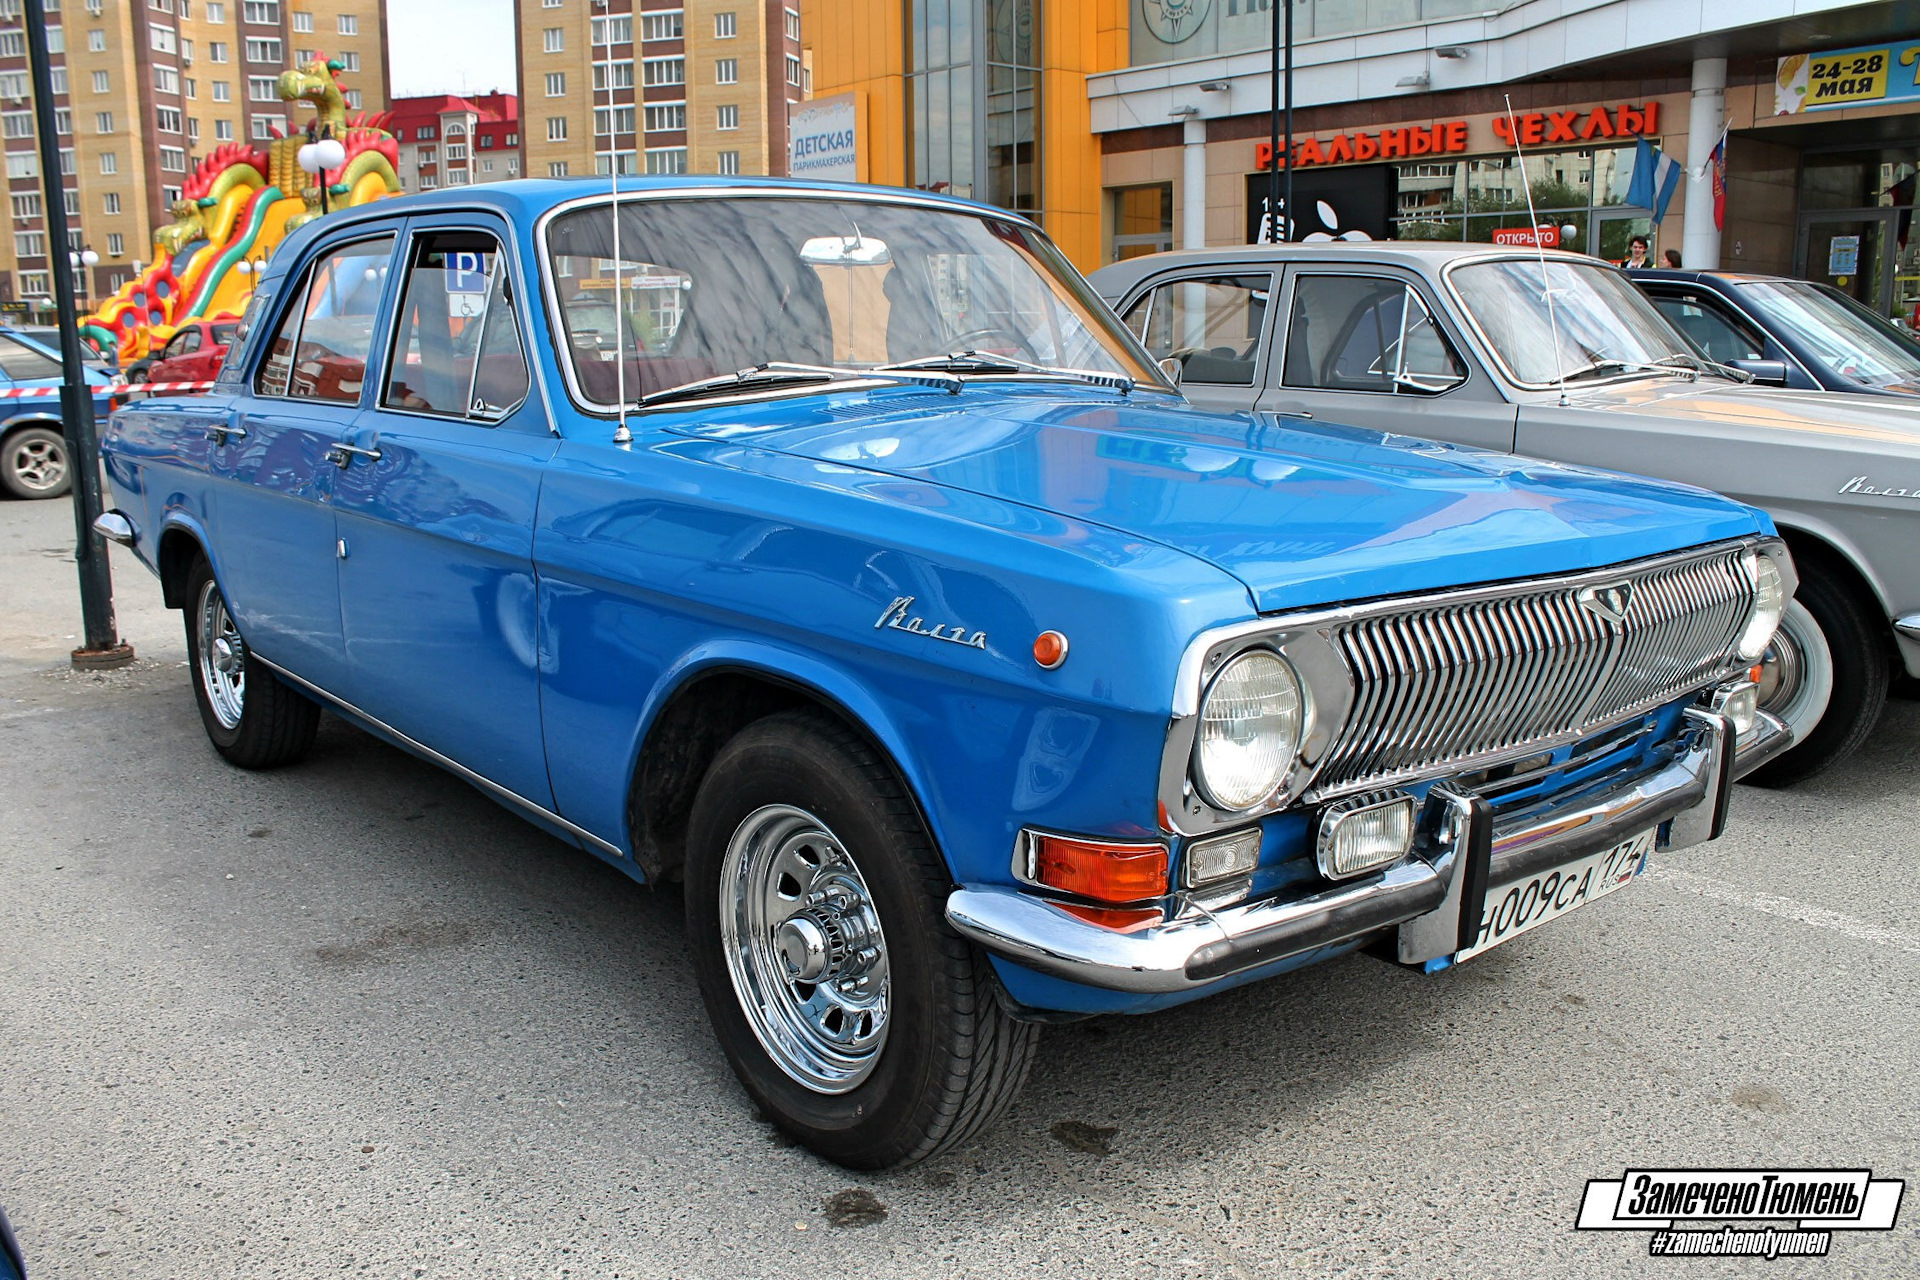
(1434, 896)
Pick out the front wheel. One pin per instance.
(253, 719)
(33, 463)
(1825, 674)
(861, 1024)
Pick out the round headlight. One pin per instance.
(1769, 602)
(1250, 726)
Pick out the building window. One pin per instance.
(793, 71)
(62, 121)
(513, 166)
(550, 4)
(13, 84)
(665, 25)
(654, 71)
(173, 159)
(727, 118)
(554, 39)
(557, 169)
(263, 50)
(349, 60)
(167, 119)
(26, 206)
(16, 124)
(216, 51)
(26, 164)
(729, 162)
(109, 163)
(620, 119)
(667, 117)
(513, 139)
(486, 166)
(617, 30)
(725, 27)
(617, 74)
(793, 25)
(67, 161)
(1142, 220)
(216, 13)
(666, 160)
(354, 99)
(30, 244)
(348, 25)
(34, 283)
(223, 131)
(457, 178)
(426, 155)
(102, 82)
(193, 128)
(456, 151)
(556, 128)
(428, 182)
(263, 127)
(261, 89)
(161, 38)
(189, 87)
(265, 12)
(116, 243)
(96, 41)
(167, 80)
(222, 91)
(556, 84)
(110, 203)
(726, 71)
(426, 131)
(303, 24)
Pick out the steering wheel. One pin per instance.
(971, 339)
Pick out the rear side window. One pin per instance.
(320, 350)
(1212, 326)
(457, 347)
(22, 363)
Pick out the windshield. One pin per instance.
(1602, 321)
(710, 287)
(1843, 336)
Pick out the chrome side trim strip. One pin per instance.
(452, 766)
(1908, 626)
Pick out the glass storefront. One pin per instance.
(1142, 220)
(1856, 216)
(973, 90)
(1165, 30)
(1468, 200)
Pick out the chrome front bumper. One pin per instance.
(1434, 896)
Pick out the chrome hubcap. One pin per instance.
(1796, 672)
(1780, 672)
(223, 658)
(804, 948)
(39, 464)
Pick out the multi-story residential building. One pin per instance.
(145, 88)
(668, 86)
(451, 141)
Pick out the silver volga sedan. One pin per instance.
(1558, 356)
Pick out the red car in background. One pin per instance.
(192, 354)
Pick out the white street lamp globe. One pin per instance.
(309, 157)
(89, 257)
(330, 153)
(244, 267)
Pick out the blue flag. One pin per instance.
(1655, 175)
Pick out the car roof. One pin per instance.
(1713, 277)
(1427, 255)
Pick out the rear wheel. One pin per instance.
(856, 1018)
(33, 463)
(253, 718)
(1826, 675)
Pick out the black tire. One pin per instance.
(275, 724)
(952, 1060)
(1856, 636)
(34, 463)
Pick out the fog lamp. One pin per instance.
(1220, 858)
(1364, 832)
(1741, 705)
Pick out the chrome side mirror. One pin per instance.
(1766, 373)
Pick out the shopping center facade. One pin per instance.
(1127, 126)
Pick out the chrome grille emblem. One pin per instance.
(1610, 601)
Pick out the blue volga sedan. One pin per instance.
(834, 552)
(1790, 333)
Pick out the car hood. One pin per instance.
(1874, 424)
(1301, 513)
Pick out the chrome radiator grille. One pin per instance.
(1447, 683)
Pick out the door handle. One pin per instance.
(221, 432)
(342, 455)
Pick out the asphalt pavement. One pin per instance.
(354, 1018)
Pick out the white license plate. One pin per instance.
(1512, 909)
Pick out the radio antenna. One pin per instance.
(621, 435)
(1546, 285)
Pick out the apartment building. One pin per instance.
(667, 86)
(143, 89)
(451, 141)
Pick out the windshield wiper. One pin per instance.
(781, 373)
(1711, 366)
(982, 362)
(1630, 366)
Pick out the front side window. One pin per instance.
(1212, 326)
(709, 286)
(1366, 333)
(1564, 319)
(457, 348)
(320, 350)
(1718, 335)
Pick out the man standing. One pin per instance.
(1637, 254)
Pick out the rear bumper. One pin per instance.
(1432, 896)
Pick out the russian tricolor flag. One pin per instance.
(1655, 175)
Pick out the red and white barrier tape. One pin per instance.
(111, 389)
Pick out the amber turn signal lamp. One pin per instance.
(1050, 649)
(1123, 919)
(1101, 870)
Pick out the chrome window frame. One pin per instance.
(606, 409)
(303, 275)
(1410, 280)
(1305, 638)
(502, 236)
(1150, 290)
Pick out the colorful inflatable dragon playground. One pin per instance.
(237, 205)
